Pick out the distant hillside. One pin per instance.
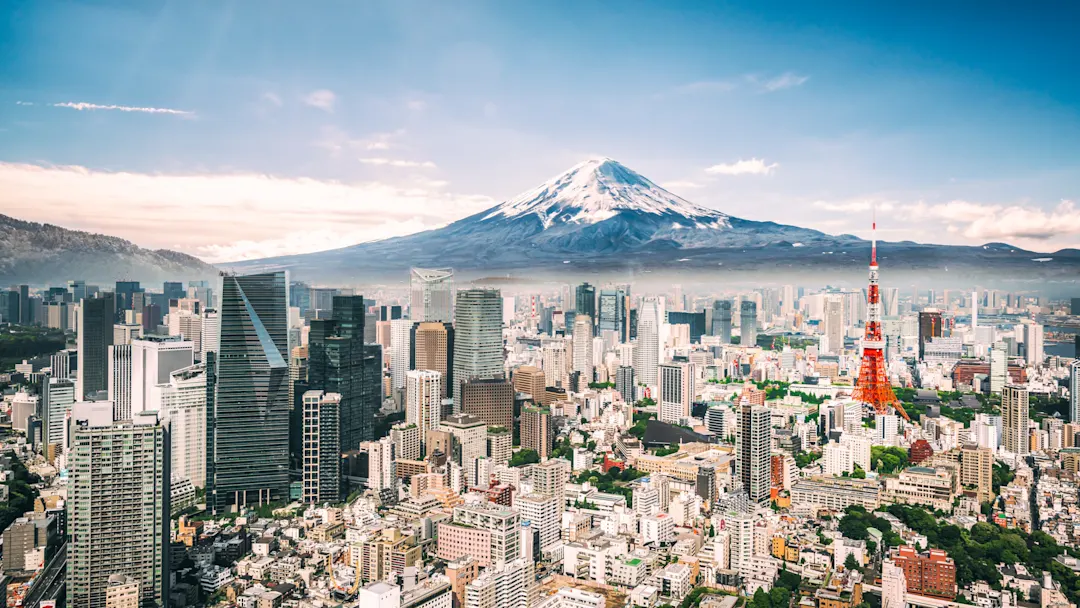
(43, 254)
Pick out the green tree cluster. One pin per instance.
(803, 459)
(671, 449)
(27, 342)
(523, 457)
(888, 459)
(857, 521)
(1002, 476)
(21, 495)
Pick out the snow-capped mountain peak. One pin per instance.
(599, 189)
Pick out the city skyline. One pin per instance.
(805, 116)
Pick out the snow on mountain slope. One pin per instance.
(597, 190)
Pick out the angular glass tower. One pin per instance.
(248, 413)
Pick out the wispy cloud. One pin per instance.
(323, 99)
(787, 80)
(272, 99)
(393, 162)
(335, 140)
(983, 221)
(854, 206)
(83, 105)
(681, 185)
(131, 205)
(24, 103)
(706, 86)
(754, 166)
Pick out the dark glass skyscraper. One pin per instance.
(248, 419)
(613, 303)
(585, 301)
(125, 294)
(748, 322)
(96, 316)
(721, 321)
(338, 362)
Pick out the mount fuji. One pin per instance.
(602, 217)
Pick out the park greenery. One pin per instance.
(787, 584)
(666, 451)
(640, 421)
(803, 459)
(19, 342)
(887, 460)
(21, 495)
(523, 457)
(613, 482)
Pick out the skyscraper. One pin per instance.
(1074, 391)
(322, 447)
(120, 381)
(95, 336)
(153, 360)
(423, 401)
(721, 323)
(585, 300)
(400, 351)
(432, 295)
(647, 353)
(676, 392)
(1033, 342)
(125, 295)
(489, 400)
(118, 510)
(433, 348)
(57, 397)
(25, 314)
(537, 432)
(834, 323)
(748, 323)
(1014, 419)
(183, 403)
(999, 364)
(478, 345)
(339, 362)
(624, 382)
(929, 327)
(583, 355)
(248, 421)
(613, 313)
(754, 449)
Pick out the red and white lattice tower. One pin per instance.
(873, 387)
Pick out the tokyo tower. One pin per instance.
(873, 387)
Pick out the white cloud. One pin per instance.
(1003, 222)
(680, 185)
(335, 140)
(231, 216)
(754, 166)
(393, 162)
(323, 99)
(24, 103)
(787, 80)
(82, 105)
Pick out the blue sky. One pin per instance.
(241, 129)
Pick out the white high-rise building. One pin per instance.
(183, 407)
(647, 351)
(470, 433)
(859, 447)
(999, 368)
(837, 459)
(124, 333)
(740, 527)
(545, 514)
(400, 351)
(432, 297)
(553, 352)
(1074, 391)
(211, 332)
(583, 349)
(1033, 343)
(382, 474)
(886, 428)
(508, 585)
(1014, 419)
(676, 392)
(188, 326)
(423, 401)
(120, 381)
(379, 595)
(57, 397)
(834, 323)
(893, 585)
(152, 363)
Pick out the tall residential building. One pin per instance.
(999, 367)
(676, 392)
(537, 432)
(551, 476)
(1074, 391)
(433, 348)
(893, 585)
(1033, 342)
(183, 405)
(119, 388)
(754, 449)
(478, 344)
(748, 322)
(583, 355)
(248, 421)
(1014, 419)
(625, 382)
(553, 352)
(834, 323)
(211, 329)
(530, 381)
(339, 362)
(423, 401)
(977, 469)
(153, 360)
(189, 326)
(400, 351)
(322, 448)
(647, 353)
(57, 397)
(544, 513)
(470, 441)
(118, 510)
(508, 585)
(499, 444)
(489, 400)
(382, 474)
(94, 339)
(432, 295)
(721, 321)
